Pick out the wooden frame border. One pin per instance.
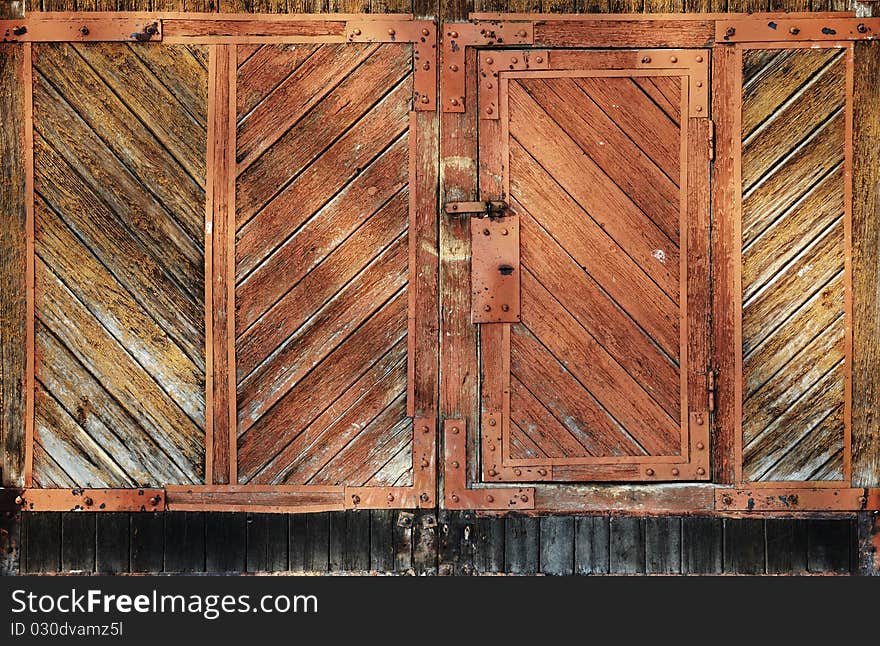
(729, 205)
(222, 34)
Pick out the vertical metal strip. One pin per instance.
(684, 219)
(412, 269)
(30, 269)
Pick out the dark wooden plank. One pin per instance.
(317, 556)
(866, 267)
(786, 546)
(357, 552)
(488, 544)
(701, 545)
(298, 542)
(147, 544)
(627, 545)
(830, 545)
(557, 545)
(77, 542)
(868, 538)
(10, 543)
(225, 542)
(13, 225)
(43, 542)
(663, 545)
(425, 542)
(744, 551)
(522, 545)
(338, 538)
(267, 542)
(112, 553)
(592, 545)
(403, 541)
(455, 553)
(185, 531)
(381, 540)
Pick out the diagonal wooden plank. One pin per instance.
(396, 472)
(780, 243)
(615, 153)
(790, 427)
(320, 284)
(320, 439)
(341, 164)
(179, 132)
(755, 60)
(642, 120)
(98, 228)
(317, 76)
(86, 463)
(521, 445)
(176, 67)
(332, 116)
(142, 398)
(780, 133)
(245, 52)
(128, 138)
(599, 315)
(665, 91)
(812, 458)
(534, 191)
(788, 339)
(47, 473)
(262, 71)
(310, 344)
(263, 434)
(120, 314)
(778, 80)
(557, 388)
(378, 187)
(785, 294)
(109, 179)
(370, 449)
(131, 445)
(539, 425)
(585, 182)
(762, 406)
(618, 392)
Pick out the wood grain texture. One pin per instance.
(866, 268)
(13, 224)
(794, 280)
(120, 338)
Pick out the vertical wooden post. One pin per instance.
(220, 422)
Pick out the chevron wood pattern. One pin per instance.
(594, 178)
(119, 177)
(322, 264)
(794, 277)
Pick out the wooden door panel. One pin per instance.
(596, 366)
(323, 265)
(119, 203)
(795, 267)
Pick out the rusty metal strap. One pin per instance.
(81, 29)
(795, 29)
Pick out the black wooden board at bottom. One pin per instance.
(424, 542)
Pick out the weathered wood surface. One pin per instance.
(119, 193)
(13, 228)
(323, 264)
(793, 274)
(866, 268)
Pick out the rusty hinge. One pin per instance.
(710, 388)
(477, 209)
(711, 140)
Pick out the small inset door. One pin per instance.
(591, 286)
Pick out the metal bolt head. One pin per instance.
(492, 421)
(699, 108)
(489, 86)
(700, 420)
(155, 500)
(391, 32)
(391, 497)
(424, 497)
(521, 33)
(646, 59)
(454, 498)
(455, 464)
(489, 110)
(505, 308)
(425, 99)
(862, 28)
(426, 429)
(487, 308)
(524, 498)
(794, 31)
(675, 472)
(357, 32)
(455, 430)
(673, 59)
(493, 472)
(731, 31)
(426, 32)
(701, 471)
(489, 60)
(542, 472)
(19, 500)
(699, 84)
(518, 472)
(514, 60)
(485, 232)
(701, 446)
(356, 499)
(490, 498)
(649, 472)
(699, 59)
(862, 501)
(88, 502)
(727, 500)
(84, 30)
(453, 34)
(454, 101)
(453, 67)
(539, 59)
(426, 65)
(504, 232)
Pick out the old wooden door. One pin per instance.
(591, 290)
